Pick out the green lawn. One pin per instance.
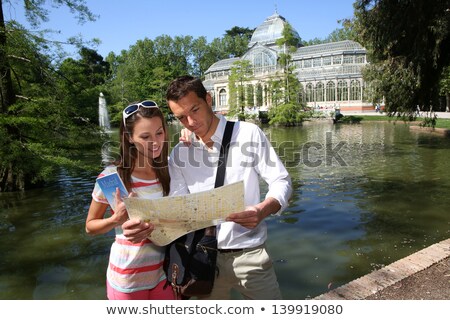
(440, 123)
(443, 123)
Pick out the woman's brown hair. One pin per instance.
(128, 152)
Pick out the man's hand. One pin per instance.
(136, 230)
(253, 215)
(249, 218)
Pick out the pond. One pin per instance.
(365, 195)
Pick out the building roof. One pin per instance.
(270, 31)
(346, 46)
(224, 64)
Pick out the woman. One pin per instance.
(135, 270)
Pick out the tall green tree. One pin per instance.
(38, 133)
(445, 87)
(241, 72)
(174, 53)
(408, 43)
(345, 32)
(134, 72)
(289, 44)
(216, 51)
(82, 80)
(145, 70)
(200, 61)
(237, 40)
(287, 107)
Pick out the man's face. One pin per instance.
(194, 113)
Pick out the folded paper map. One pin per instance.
(176, 216)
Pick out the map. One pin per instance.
(176, 216)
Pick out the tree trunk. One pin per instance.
(7, 95)
(10, 179)
(447, 106)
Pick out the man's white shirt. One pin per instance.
(251, 157)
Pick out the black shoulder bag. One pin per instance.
(190, 261)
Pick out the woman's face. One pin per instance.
(148, 137)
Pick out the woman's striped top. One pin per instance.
(134, 267)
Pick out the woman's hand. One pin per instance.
(120, 211)
(136, 230)
(186, 136)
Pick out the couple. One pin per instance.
(135, 266)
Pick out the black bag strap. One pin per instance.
(221, 166)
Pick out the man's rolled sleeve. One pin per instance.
(281, 190)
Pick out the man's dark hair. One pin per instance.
(181, 86)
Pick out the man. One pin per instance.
(242, 258)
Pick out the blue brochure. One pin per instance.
(109, 184)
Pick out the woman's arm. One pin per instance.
(96, 222)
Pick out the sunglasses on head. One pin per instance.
(133, 108)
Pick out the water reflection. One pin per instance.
(365, 196)
(386, 202)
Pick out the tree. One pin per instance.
(408, 43)
(286, 114)
(346, 32)
(287, 107)
(237, 40)
(174, 54)
(82, 81)
(215, 51)
(289, 43)
(240, 32)
(241, 73)
(289, 40)
(38, 133)
(145, 70)
(445, 87)
(199, 60)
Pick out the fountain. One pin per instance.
(103, 120)
(103, 117)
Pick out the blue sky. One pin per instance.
(123, 22)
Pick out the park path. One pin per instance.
(409, 271)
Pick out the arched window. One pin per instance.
(331, 91)
(342, 92)
(262, 60)
(319, 91)
(309, 92)
(222, 97)
(355, 90)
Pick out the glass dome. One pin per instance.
(270, 31)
